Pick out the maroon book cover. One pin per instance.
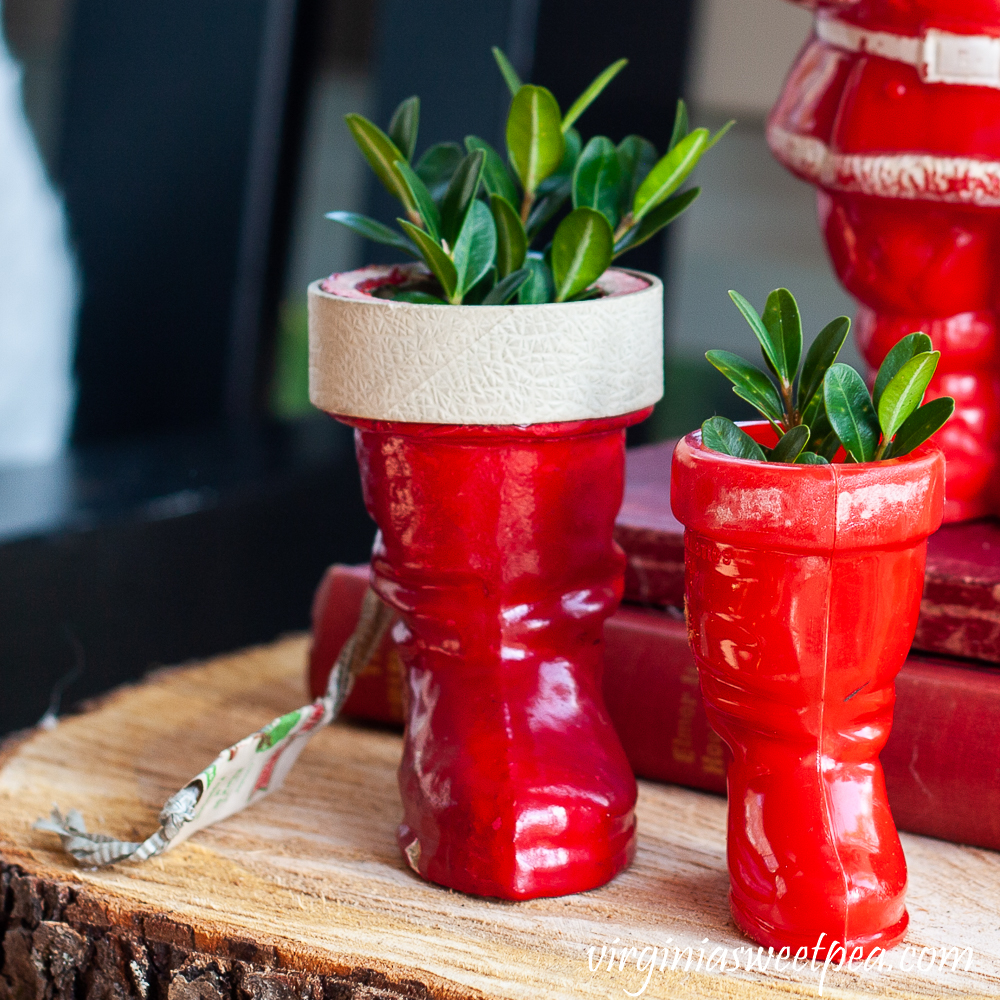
(942, 761)
(960, 611)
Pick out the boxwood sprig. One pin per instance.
(475, 218)
(820, 406)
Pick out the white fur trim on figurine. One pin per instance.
(957, 180)
(514, 364)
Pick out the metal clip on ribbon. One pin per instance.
(242, 774)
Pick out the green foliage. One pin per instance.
(403, 127)
(920, 425)
(381, 153)
(587, 98)
(581, 252)
(475, 248)
(721, 434)
(849, 409)
(597, 178)
(535, 142)
(508, 72)
(904, 350)
(375, 231)
(438, 165)
(496, 178)
(555, 208)
(505, 289)
(512, 241)
(820, 407)
(459, 195)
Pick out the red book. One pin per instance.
(942, 761)
(960, 611)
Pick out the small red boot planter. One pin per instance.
(491, 445)
(803, 587)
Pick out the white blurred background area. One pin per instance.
(37, 290)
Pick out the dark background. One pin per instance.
(185, 520)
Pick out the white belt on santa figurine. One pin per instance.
(939, 56)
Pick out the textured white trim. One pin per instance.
(512, 364)
(851, 38)
(939, 56)
(957, 180)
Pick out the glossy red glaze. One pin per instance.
(496, 549)
(802, 588)
(908, 171)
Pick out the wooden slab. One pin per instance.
(305, 894)
(960, 611)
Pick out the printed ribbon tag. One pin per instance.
(240, 775)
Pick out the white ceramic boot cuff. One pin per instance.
(513, 364)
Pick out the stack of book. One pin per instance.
(942, 761)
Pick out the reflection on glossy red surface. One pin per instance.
(909, 198)
(496, 550)
(803, 588)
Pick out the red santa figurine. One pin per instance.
(893, 111)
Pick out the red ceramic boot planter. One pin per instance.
(496, 549)
(803, 588)
(891, 110)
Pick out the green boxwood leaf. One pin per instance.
(496, 179)
(849, 410)
(587, 98)
(403, 126)
(534, 136)
(546, 209)
(436, 259)
(763, 335)
(906, 392)
(581, 251)
(637, 157)
(822, 353)
(505, 289)
(438, 165)
(783, 322)
(475, 248)
(810, 458)
(920, 425)
(381, 152)
(669, 173)
(681, 126)
(461, 192)
(791, 444)
(722, 435)
(718, 135)
(474, 296)
(597, 178)
(373, 230)
(652, 223)
(564, 172)
(749, 383)
(419, 298)
(421, 198)
(904, 350)
(512, 241)
(507, 70)
(540, 286)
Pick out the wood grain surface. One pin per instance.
(305, 895)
